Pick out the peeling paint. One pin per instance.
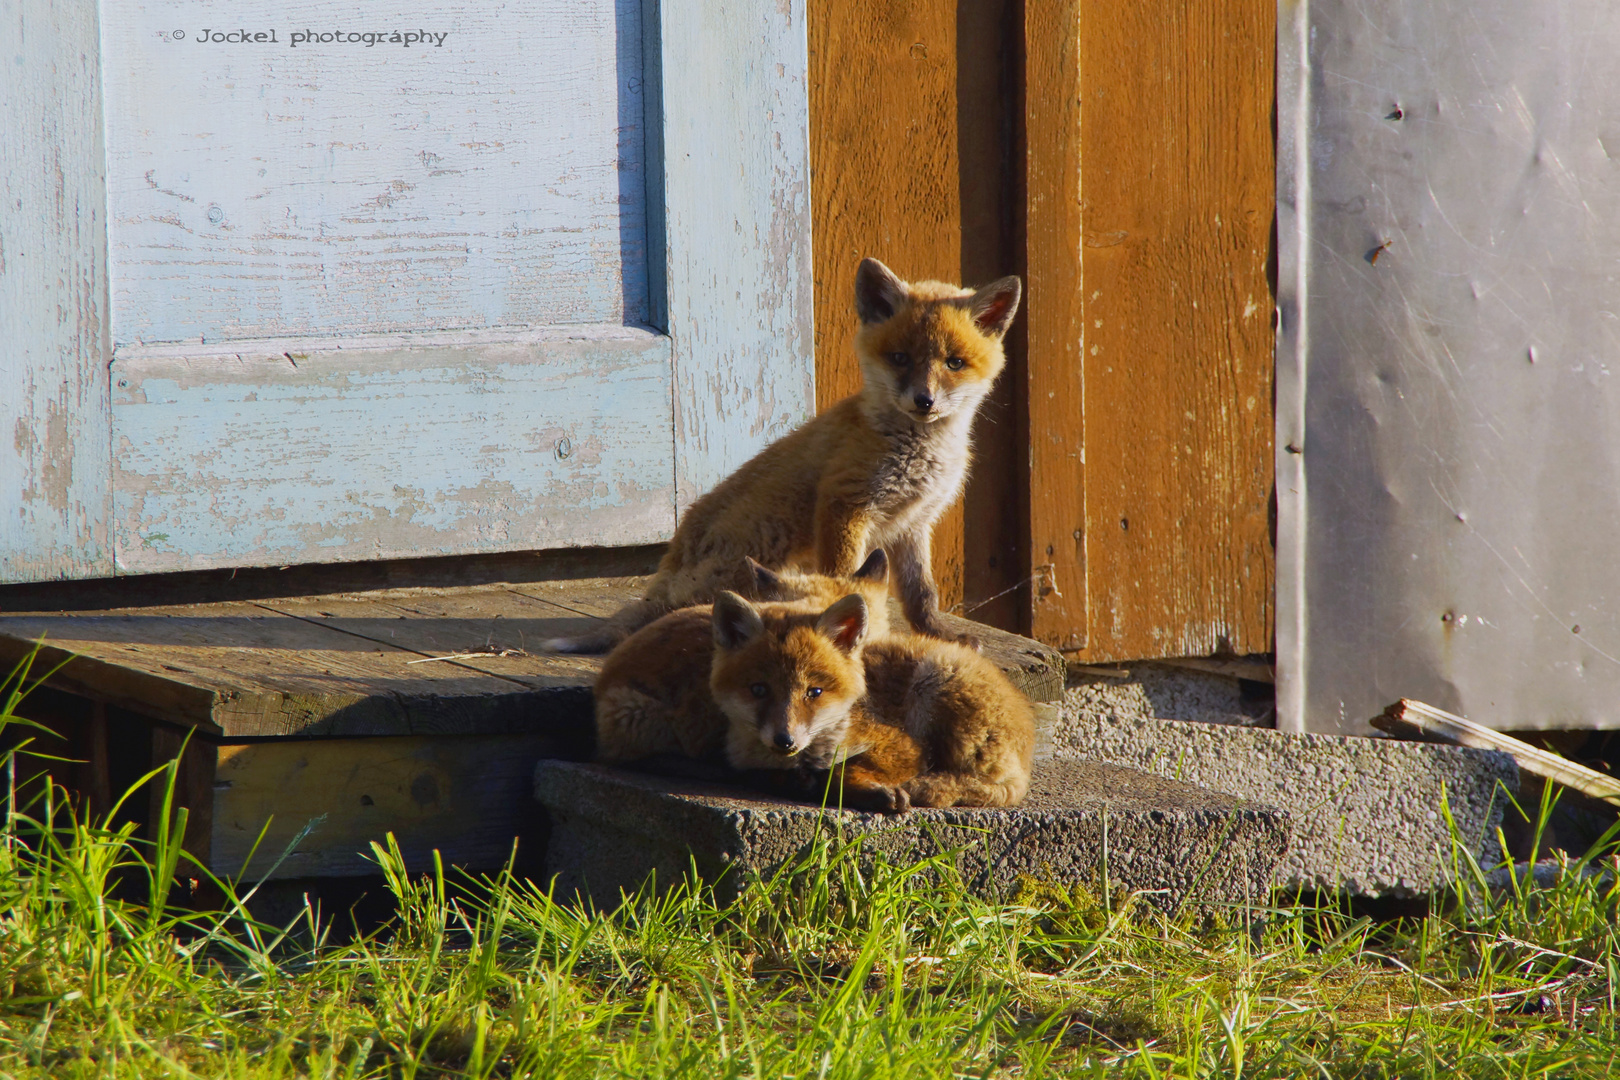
(390, 454)
(54, 474)
(376, 204)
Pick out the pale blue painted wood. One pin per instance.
(55, 487)
(383, 443)
(425, 451)
(493, 177)
(737, 204)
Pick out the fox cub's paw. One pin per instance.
(935, 627)
(879, 799)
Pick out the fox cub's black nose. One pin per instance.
(924, 400)
(784, 740)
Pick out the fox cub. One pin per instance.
(875, 470)
(652, 697)
(901, 720)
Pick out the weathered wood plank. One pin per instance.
(248, 670)
(339, 456)
(737, 211)
(990, 146)
(195, 759)
(883, 150)
(1036, 669)
(491, 177)
(468, 633)
(316, 579)
(1176, 147)
(468, 797)
(1058, 434)
(1415, 719)
(596, 598)
(55, 483)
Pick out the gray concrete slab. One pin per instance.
(1174, 842)
(1165, 691)
(1366, 812)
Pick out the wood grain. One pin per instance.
(1058, 433)
(55, 483)
(319, 666)
(195, 758)
(1150, 204)
(467, 797)
(264, 460)
(990, 150)
(883, 155)
(1176, 149)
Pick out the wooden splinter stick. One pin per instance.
(1407, 717)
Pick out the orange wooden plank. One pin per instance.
(883, 163)
(1053, 313)
(1176, 148)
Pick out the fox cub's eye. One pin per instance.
(813, 692)
(955, 363)
(899, 359)
(758, 689)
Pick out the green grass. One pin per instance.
(820, 971)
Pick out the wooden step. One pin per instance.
(417, 710)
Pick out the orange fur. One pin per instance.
(876, 470)
(900, 720)
(652, 696)
(974, 730)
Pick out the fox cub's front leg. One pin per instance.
(842, 528)
(913, 560)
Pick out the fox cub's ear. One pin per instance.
(844, 624)
(994, 306)
(736, 622)
(767, 583)
(875, 568)
(878, 293)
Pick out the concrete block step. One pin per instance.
(1367, 813)
(1175, 843)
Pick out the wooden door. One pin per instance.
(396, 282)
(1120, 159)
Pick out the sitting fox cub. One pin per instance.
(901, 720)
(652, 697)
(875, 470)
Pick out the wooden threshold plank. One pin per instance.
(593, 597)
(246, 670)
(489, 630)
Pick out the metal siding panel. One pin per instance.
(492, 177)
(255, 460)
(54, 420)
(1449, 344)
(737, 205)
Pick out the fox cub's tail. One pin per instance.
(624, 622)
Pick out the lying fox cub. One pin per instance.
(652, 697)
(875, 470)
(901, 720)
